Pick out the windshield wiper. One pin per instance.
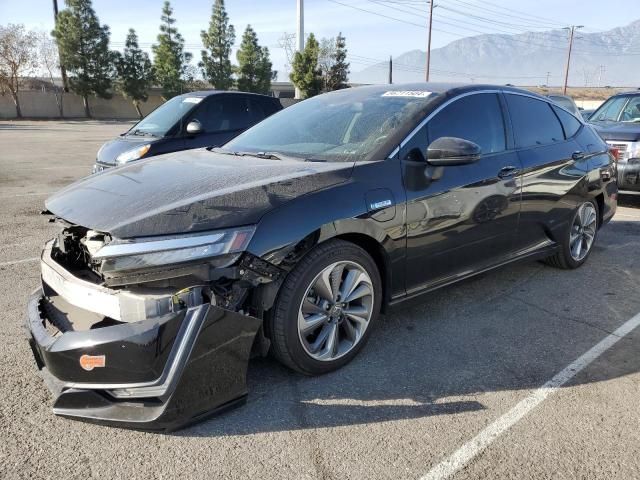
(264, 155)
(142, 133)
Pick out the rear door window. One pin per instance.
(223, 113)
(534, 122)
(256, 111)
(269, 106)
(570, 124)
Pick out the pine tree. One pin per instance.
(338, 74)
(170, 60)
(84, 50)
(305, 73)
(135, 72)
(254, 66)
(218, 42)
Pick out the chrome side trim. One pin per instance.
(166, 383)
(467, 94)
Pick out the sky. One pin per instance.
(371, 35)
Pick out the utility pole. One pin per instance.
(571, 29)
(300, 35)
(548, 75)
(429, 39)
(390, 69)
(63, 71)
(601, 74)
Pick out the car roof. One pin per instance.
(449, 88)
(626, 94)
(209, 93)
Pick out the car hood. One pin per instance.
(624, 132)
(110, 150)
(196, 190)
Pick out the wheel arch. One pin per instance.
(379, 256)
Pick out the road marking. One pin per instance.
(16, 262)
(476, 445)
(27, 194)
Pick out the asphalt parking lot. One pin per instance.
(449, 385)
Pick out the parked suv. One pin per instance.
(618, 122)
(192, 120)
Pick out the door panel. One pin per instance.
(553, 163)
(460, 218)
(548, 177)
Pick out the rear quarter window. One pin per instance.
(570, 124)
(534, 122)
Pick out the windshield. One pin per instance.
(618, 109)
(347, 125)
(159, 122)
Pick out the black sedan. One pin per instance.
(193, 120)
(167, 275)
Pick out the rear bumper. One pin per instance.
(156, 374)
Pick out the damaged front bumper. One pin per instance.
(127, 359)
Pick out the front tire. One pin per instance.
(325, 308)
(578, 239)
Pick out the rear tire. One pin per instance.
(578, 238)
(326, 308)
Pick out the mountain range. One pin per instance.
(598, 59)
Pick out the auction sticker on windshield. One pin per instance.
(407, 93)
(192, 100)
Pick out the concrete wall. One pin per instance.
(37, 104)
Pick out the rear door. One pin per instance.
(461, 218)
(553, 165)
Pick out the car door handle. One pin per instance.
(507, 172)
(577, 155)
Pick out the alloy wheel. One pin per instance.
(583, 231)
(335, 311)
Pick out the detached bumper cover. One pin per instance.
(158, 374)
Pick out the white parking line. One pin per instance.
(16, 262)
(27, 194)
(472, 448)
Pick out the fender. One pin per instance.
(347, 211)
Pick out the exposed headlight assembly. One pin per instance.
(133, 154)
(222, 248)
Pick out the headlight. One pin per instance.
(133, 154)
(222, 247)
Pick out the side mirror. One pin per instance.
(194, 127)
(452, 151)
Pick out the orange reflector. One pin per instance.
(89, 362)
(239, 242)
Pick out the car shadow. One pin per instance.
(501, 332)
